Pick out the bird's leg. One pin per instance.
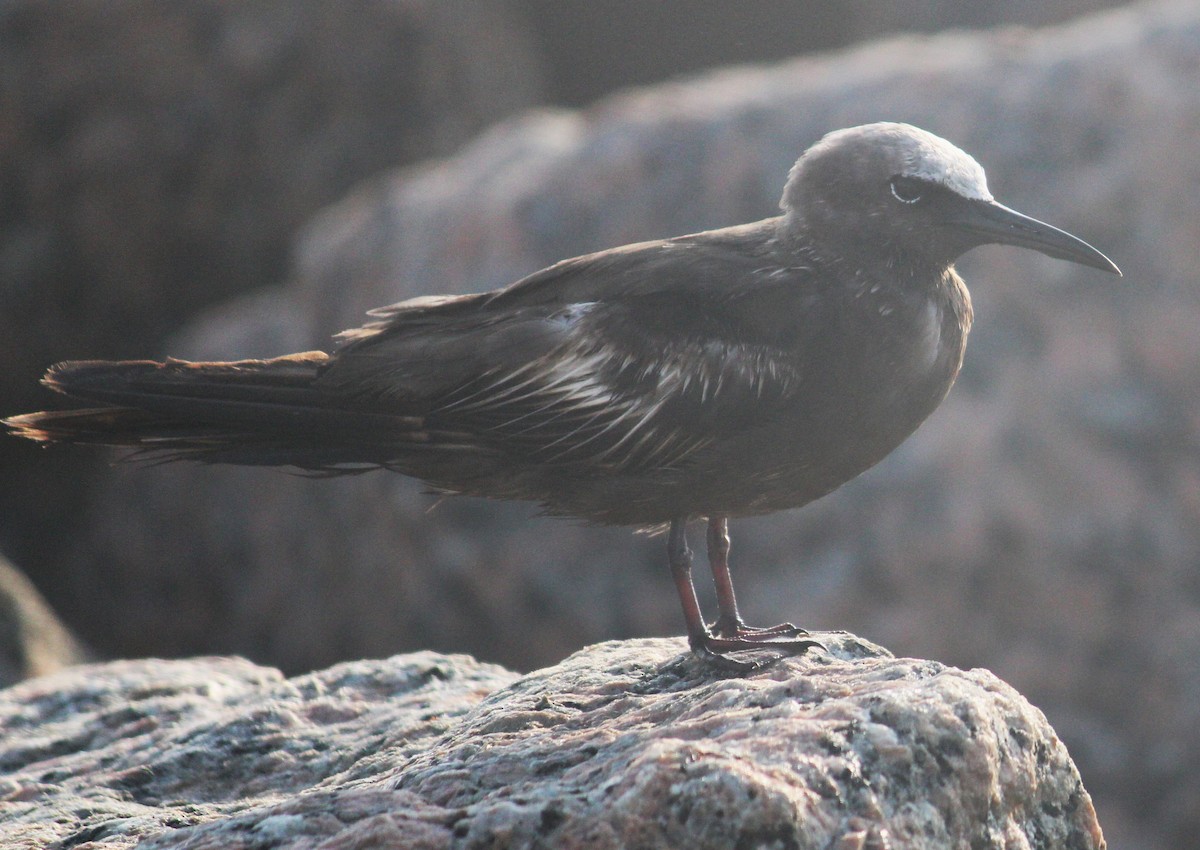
(729, 622)
(680, 558)
(702, 641)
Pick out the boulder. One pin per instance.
(33, 641)
(157, 158)
(657, 41)
(633, 744)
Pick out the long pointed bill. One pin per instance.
(996, 223)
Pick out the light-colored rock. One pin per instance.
(621, 745)
(33, 641)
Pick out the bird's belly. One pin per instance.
(852, 417)
(793, 461)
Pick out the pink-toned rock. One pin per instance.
(621, 745)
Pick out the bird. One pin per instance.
(727, 373)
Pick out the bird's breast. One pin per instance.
(887, 364)
(911, 345)
(927, 336)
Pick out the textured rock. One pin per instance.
(33, 642)
(621, 745)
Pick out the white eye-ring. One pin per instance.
(907, 190)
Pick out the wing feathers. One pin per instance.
(626, 361)
(594, 401)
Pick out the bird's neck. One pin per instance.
(913, 308)
(864, 264)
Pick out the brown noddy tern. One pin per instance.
(721, 374)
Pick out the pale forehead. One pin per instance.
(913, 152)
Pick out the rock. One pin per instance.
(630, 744)
(156, 158)
(33, 641)
(657, 41)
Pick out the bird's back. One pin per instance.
(719, 373)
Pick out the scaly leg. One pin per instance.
(730, 623)
(702, 641)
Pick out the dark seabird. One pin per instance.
(728, 373)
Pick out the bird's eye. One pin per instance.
(907, 190)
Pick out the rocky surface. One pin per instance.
(1045, 522)
(621, 745)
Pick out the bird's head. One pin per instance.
(905, 196)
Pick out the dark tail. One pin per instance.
(260, 412)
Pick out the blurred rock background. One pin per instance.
(157, 158)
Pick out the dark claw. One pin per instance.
(715, 649)
(725, 663)
(786, 646)
(740, 630)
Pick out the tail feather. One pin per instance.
(261, 412)
(140, 381)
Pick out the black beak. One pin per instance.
(994, 223)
